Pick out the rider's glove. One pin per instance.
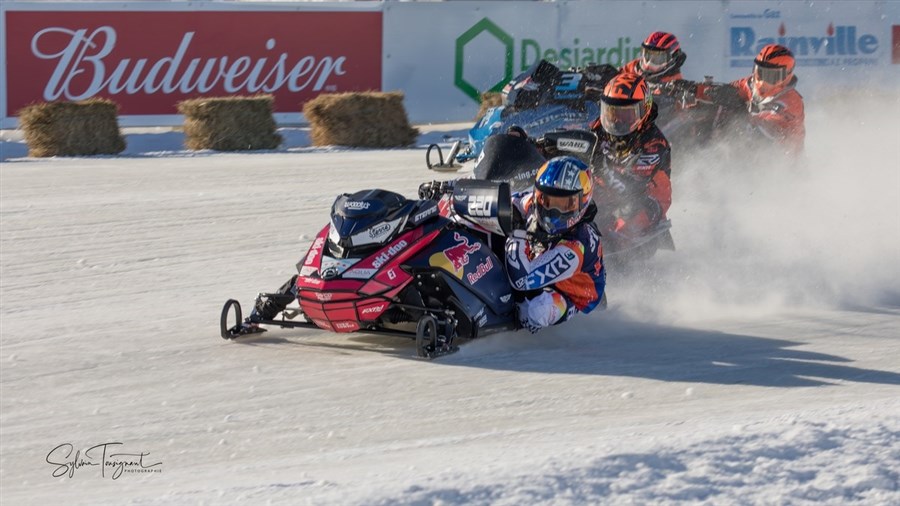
(725, 96)
(652, 209)
(679, 86)
(516, 131)
(542, 311)
(547, 146)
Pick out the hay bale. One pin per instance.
(368, 120)
(83, 128)
(229, 123)
(489, 99)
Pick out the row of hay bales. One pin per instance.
(367, 119)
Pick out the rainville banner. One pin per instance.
(149, 61)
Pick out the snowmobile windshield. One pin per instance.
(620, 120)
(654, 60)
(364, 220)
(509, 158)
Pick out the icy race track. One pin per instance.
(758, 364)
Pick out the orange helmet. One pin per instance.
(773, 69)
(660, 53)
(625, 104)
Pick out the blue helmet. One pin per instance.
(562, 193)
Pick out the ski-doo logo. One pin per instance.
(530, 52)
(356, 205)
(314, 251)
(573, 145)
(835, 45)
(384, 256)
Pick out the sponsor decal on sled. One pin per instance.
(425, 214)
(357, 205)
(573, 145)
(346, 326)
(389, 253)
(455, 258)
(372, 312)
(323, 324)
(315, 251)
(480, 270)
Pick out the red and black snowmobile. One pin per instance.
(386, 264)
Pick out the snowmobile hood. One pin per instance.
(367, 219)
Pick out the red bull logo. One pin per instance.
(455, 258)
(480, 271)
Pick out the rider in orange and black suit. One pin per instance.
(632, 161)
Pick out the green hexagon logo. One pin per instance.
(485, 25)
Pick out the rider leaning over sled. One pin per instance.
(554, 258)
(660, 62)
(769, 96)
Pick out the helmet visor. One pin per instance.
(619, 120)
(654, 60)
(563, 204)
(769, 75)
(557, 213)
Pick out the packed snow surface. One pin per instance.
(757, 364)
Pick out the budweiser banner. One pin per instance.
(149, 61)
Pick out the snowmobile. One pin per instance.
(390, 265)
(516, 160)
(541, 99)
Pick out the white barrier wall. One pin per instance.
(439, 53)
(442, 55)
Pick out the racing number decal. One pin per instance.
(569, 82)
(480, 206)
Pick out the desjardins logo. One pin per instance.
(510, 57)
